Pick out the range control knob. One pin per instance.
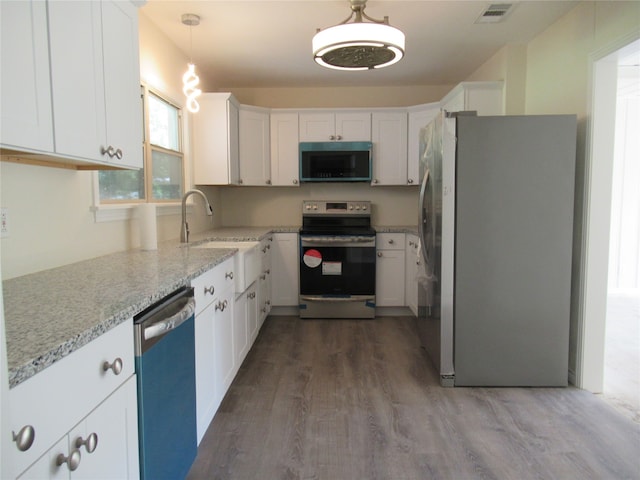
(364, 207)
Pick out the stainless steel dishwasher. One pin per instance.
(165, 368)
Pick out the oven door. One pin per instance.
(337, 276)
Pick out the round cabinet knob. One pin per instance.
(332, 137)
(72, 461)
(116, 366)
(391, 242)
(240, 181)
(90, 444)
(375, 180)
(24, 438)
(229, 275)
(268, 182)
(108, 151)
(379, 254)
(410, 180)
(339, 137)
(295, 181)
(210, 290)
(118, 154)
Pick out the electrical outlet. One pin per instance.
(4, 222)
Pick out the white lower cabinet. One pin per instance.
(285, 278)
(212, 328)
(98, 447)
(390, 270)
(92, 390)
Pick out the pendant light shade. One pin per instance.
(190, 80)
(358, 45)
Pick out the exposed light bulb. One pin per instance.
(189, 83)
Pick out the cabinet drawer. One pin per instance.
(210, 284)
(390, 241)
(57, 398)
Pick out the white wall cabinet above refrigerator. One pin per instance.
(93, 88)
(486, 98)
(335, 126)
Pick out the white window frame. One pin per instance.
(109, 212)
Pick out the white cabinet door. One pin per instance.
(353, 127)
(26, 120)
(205, 367)
(223, 343)
(285, 283)
(216, 140)
(419, 117)
(116, 440)
(252, 311)
(389, 136)
(411, 273)
(122, 96)
(285, 170)
(332, 126)
(75, 35)
(254, 156)
(390, 269)
(240, 330)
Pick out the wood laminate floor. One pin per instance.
(356, 399)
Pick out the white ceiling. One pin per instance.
(267, 43)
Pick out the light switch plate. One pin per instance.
(4, 222)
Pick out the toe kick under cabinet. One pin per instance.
(78, 417)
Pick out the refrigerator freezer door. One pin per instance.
(513, 247)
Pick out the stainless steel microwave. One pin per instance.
(335, 161)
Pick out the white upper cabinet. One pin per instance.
(335, 126)
(255, 162)
(284, 149)
(486, 98)
(216, 140)
(26, 121)
(419, 117)
(389, 137)
(85, 88)
(95, 81)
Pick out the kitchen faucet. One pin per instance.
(184, 230)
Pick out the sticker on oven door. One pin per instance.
(332, 268)
(312, 258)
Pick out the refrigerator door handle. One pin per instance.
(424, 218)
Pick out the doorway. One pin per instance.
(599, 198)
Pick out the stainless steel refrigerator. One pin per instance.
(496, 227)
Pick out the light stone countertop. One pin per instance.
(52, 313)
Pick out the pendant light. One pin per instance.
(358, 45)
(190, 80)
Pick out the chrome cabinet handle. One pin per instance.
(116, 366)
(375, 180)
(229, 275)
(262, 277)
(90, 444)
(118, 154)
(410, 180)
(72, 461)
(210, 290)
(24, 438)
(391, 242)
(379, 254)
(332, 137)
(264, 250)
(267, 181)
(295, 181)
(108, 151)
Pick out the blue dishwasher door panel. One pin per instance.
(167, 405)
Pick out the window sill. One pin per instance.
(112, 213)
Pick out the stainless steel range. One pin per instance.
(337, 260)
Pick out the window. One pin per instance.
(162, 178)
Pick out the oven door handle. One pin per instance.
(352, 298)
(336, 239)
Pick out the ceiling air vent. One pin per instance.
(494, 13)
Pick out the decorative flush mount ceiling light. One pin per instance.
(190, 80)
(358, 45)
